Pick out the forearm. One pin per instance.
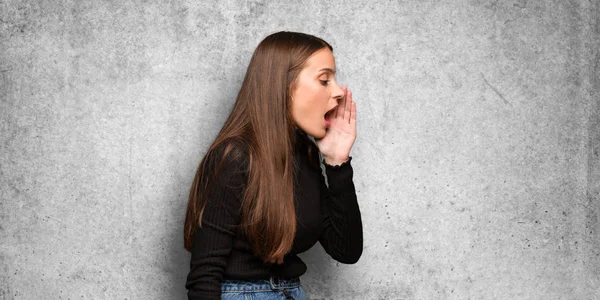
(342, 235)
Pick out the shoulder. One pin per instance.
(229, 157)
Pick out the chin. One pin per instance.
(320, 133)
(317, 132)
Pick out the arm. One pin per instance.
(342, 236)
(212, 243)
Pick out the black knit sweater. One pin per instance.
(327, 213)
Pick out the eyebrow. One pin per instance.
(328, 70)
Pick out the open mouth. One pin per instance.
(329, 116)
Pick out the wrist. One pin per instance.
(335, 161)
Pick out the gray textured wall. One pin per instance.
(477, 161)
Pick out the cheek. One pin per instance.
(312, 100)
(317, 96)
(318, 104)
(306, 98)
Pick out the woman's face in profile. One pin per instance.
(316, 93)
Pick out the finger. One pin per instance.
(341, 100)
(353, 115)
(348, 106)
(339, 112)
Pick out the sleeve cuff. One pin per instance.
(337, 167)
(339, 176)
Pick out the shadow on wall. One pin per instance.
(320, 273)
(177, 259)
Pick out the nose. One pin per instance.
(337, 93)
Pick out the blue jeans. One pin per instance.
(272, 289)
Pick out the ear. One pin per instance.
(292, 90)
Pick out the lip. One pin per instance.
(328, 115)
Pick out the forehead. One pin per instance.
(320, 60)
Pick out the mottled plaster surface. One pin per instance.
(476, 164)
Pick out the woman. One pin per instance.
(259, 197)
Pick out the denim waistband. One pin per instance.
(272, 283)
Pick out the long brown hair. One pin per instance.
(261, 119)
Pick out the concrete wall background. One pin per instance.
(477, 162)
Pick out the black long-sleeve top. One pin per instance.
(327, 213)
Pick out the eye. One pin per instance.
(324, 82)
